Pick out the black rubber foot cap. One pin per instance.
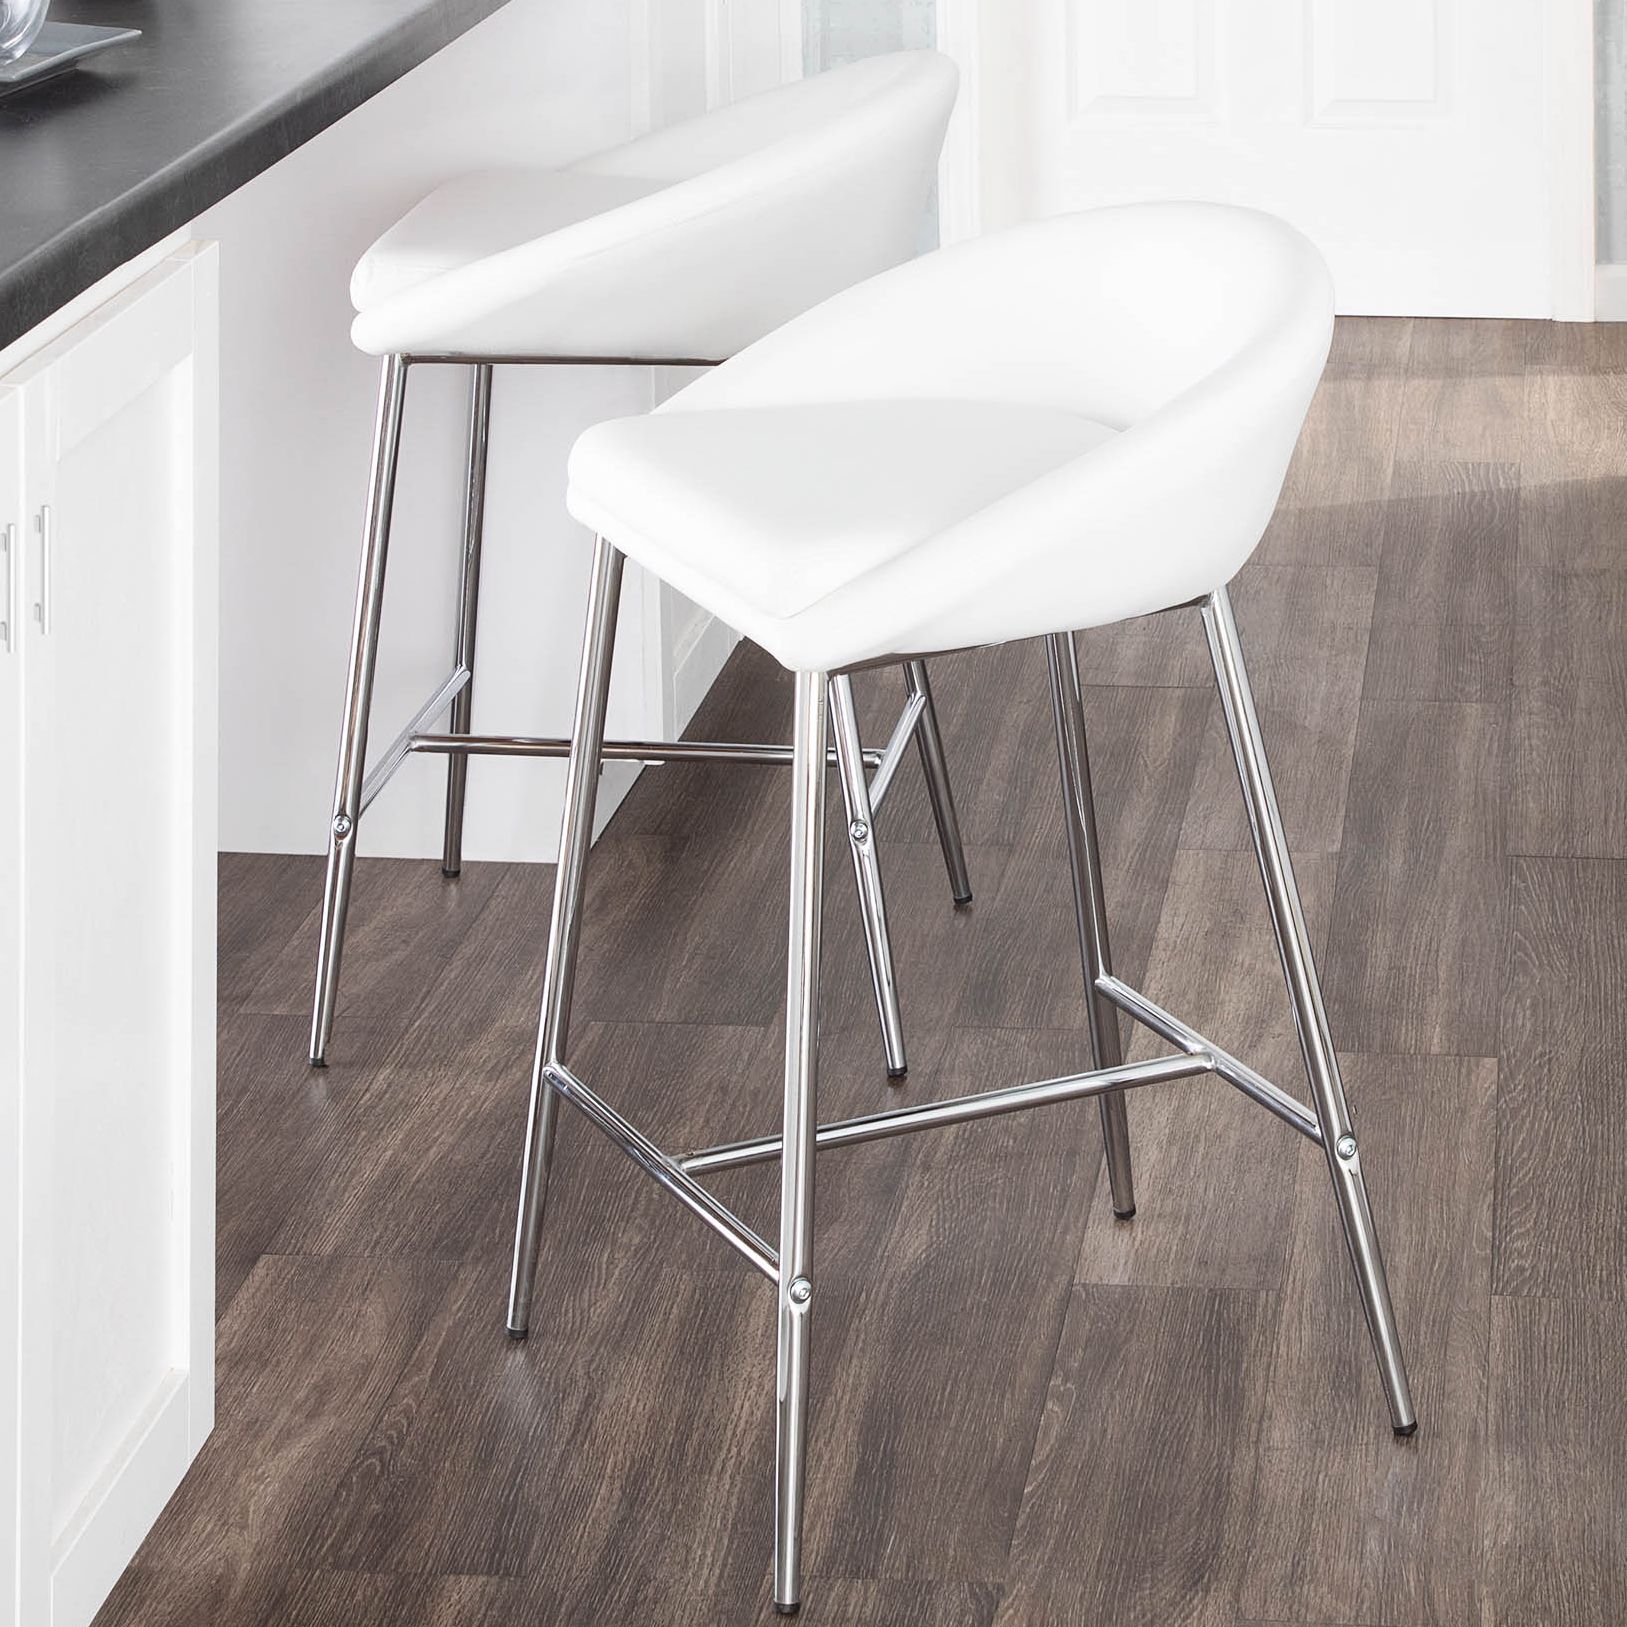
(318, 1061)
(785, 1609)
(1124, 1214)
(451, 875)
(1404, 1430)
(895, 1074)
(962, 902)
(518, 1334)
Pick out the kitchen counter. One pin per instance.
(101, 164)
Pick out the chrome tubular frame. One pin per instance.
(935, 766)
(449, 694)
(621, 751)
(463, 644)
(861, 837)
(1254, 1085)
(985, 1104)
(358, 703)
(565, 927)
(456, 358)
(667, 1173)
(1305, 994)
(789, 1266)
(1090, 905)
(886, 765)
(795, 1286)
(357, 789)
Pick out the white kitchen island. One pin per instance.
(107, 717)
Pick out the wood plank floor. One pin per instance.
(1024, 1412)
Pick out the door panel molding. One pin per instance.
(1141, 59)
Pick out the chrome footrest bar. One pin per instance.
(402, 744)
(619, 751)
(665, 1170)
(903, 733)
(960, 1110)
(1252, 1084)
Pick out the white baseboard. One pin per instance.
(104, 1531)
(1610, 294)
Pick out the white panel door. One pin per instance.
(751, 45)
(1438, 151)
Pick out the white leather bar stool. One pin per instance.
(1104, 437)
(676, 249)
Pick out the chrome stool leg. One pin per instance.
(795, 1289)
(935, 766)
(1304, 990)
(358, 702)
(867, 872)
(463, 649)
(1090, 907)
(565, 929)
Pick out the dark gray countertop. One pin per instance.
(104, 162)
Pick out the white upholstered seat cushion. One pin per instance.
(1069, 423)
(774, 508)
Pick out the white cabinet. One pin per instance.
(108, 494)
(11, 981)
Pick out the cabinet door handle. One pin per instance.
(8, 555)
(42, 610)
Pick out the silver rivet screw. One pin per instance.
(341, 826)
(1345, 1146)
(801, 1291)
(858, 830)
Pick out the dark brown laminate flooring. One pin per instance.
(1024, 1413)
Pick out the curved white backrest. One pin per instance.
(1110, 313)
(811, 107)
(1198, 330)
(774, 203)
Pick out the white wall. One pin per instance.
(540, 82)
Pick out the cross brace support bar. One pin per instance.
(933, 1115)
(666, 1172)
(615, 751)
(904, 732)
(677, 1175)
(1252, 1084)
(402, 744)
